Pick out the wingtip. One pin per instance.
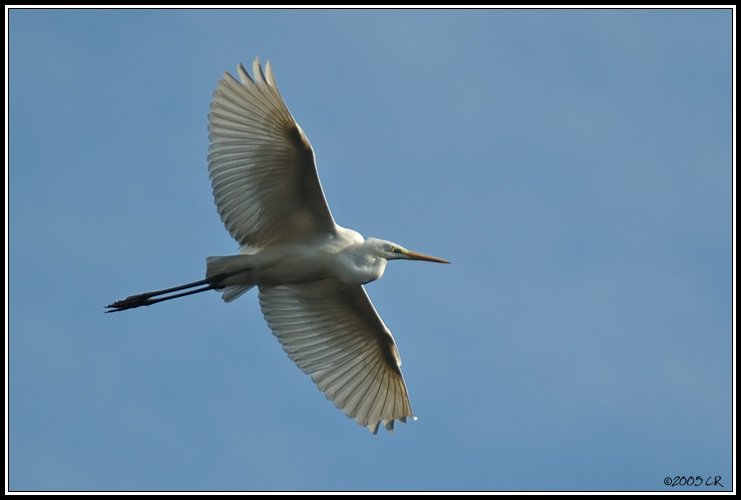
(269, 74)
(257, 73)
(388, 424)
(244, 74)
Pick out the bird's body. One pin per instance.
(344, 255)
(309, 270)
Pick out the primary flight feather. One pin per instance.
(308, 269)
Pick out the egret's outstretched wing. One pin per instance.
(261, 164)
(334, 334)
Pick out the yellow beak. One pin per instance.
(421, 256)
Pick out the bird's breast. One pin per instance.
(359, 269)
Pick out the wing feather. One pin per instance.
(261, 165)
(334, 334)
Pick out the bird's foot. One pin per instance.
(130, 302)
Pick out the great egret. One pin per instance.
(309, 270)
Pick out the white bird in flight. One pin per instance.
(308, 269)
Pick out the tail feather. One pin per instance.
(234, 292)
(237, 270)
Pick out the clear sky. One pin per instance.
(574, 165)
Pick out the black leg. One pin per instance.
(146, 299)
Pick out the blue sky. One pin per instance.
(574, 165)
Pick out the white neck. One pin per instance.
(361, 263)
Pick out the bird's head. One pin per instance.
(390, 251)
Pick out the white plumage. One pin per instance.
(309, 270)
